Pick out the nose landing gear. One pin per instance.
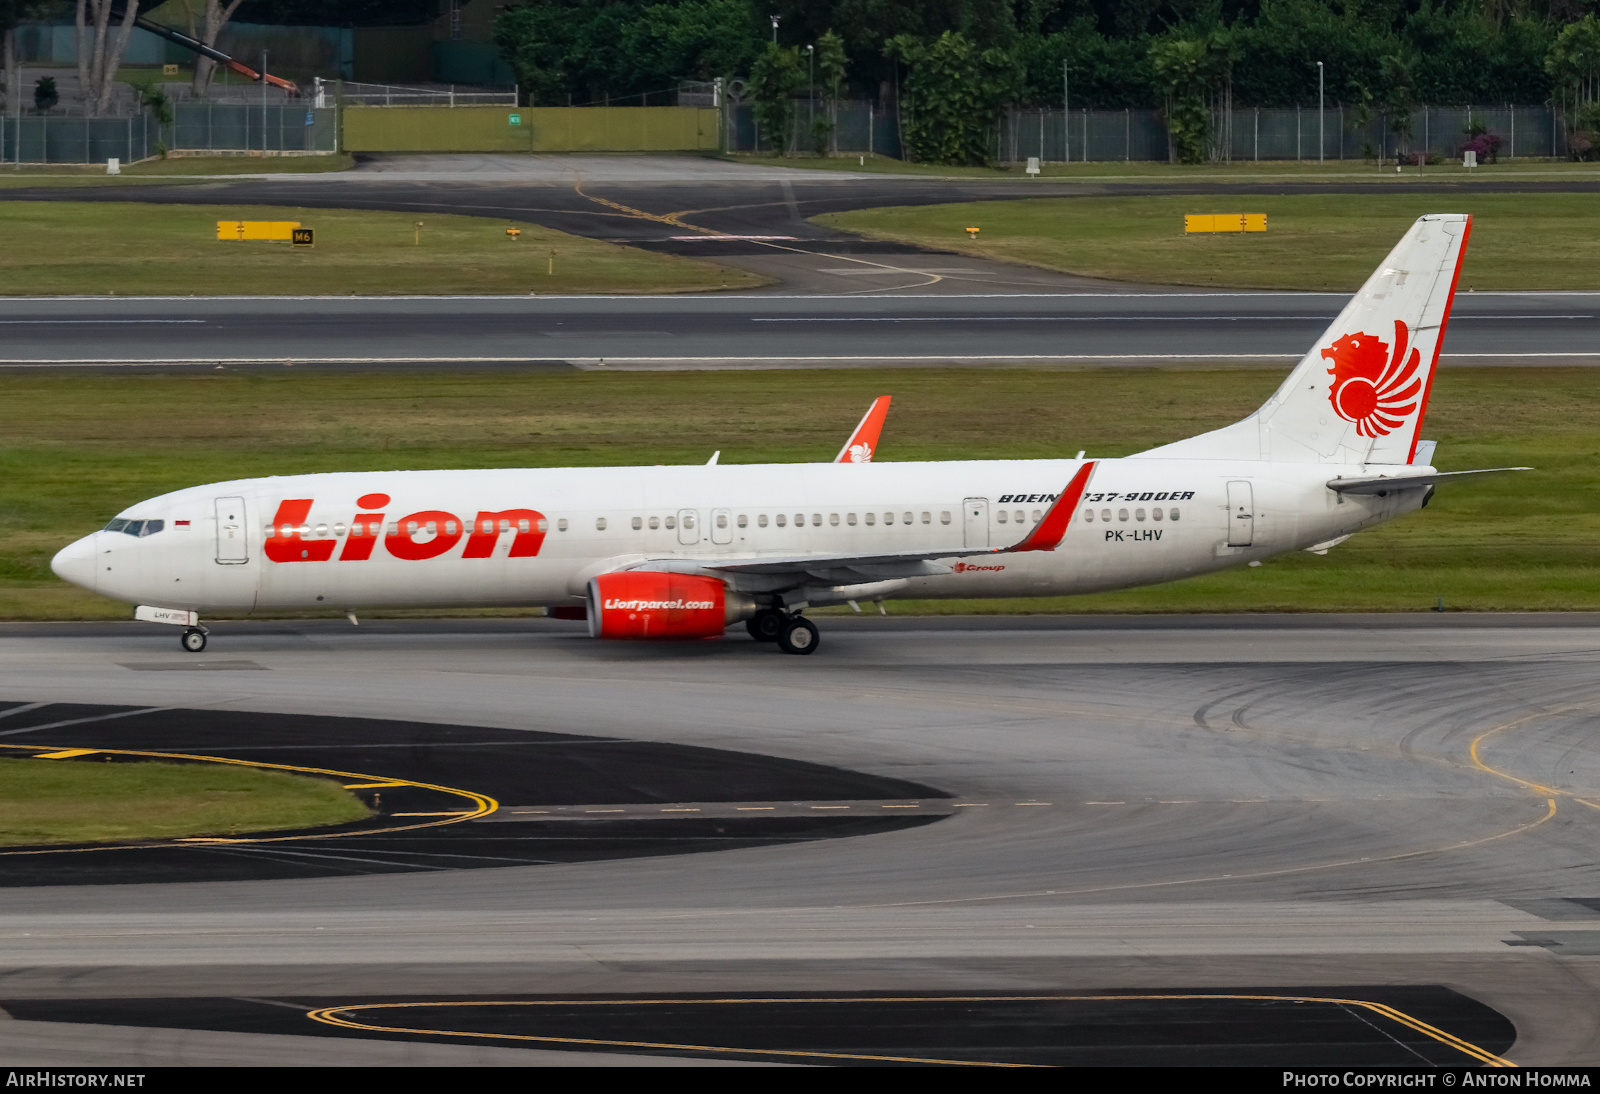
(194, 639)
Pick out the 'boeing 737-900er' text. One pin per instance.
(686, 552)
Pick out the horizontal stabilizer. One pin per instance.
(1383, 484)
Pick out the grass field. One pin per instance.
(82, 801)
(134, 249)
(1322, 241)
(77, 448)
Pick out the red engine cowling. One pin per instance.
(645, 604)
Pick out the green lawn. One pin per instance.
(85, 801)
(1320, 241)
(126, 248)
(79, 447)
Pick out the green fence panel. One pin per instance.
(529, 129)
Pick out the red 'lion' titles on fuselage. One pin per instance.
(425, 534)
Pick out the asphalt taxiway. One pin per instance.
(761, 331)
(1270, 806)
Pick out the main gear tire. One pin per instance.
(799, 635)
(766, 625)
(194, 640)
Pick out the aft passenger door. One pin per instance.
(1241, 514)
(688, 527)
(975, 522)
(232, 548)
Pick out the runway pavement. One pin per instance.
(1157, 804)
(759, 331)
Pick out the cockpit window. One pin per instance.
(140, 528)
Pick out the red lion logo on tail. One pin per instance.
(1372, 388)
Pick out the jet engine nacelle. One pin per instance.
(646, 604)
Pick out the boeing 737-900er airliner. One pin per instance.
(686, 552)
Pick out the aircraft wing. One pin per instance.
(846, 569)
(1382, 484)
(864, 441)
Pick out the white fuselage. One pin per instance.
(237, 547)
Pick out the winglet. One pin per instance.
(1048, 533)
(864, 441)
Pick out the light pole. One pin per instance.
(1066, 116)
(1321, 144)
(774, 30)
(811, 84)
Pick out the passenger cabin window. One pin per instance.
(1001, 516)
(761, 521)
(871, 519)
(906, 518)
(816, 520)
(599, 524)
(783, 520)
(1105, 514)
(722, 520)
(1155, 514)
(850, 519)
(1037, 516)
(888, 518)
(744, 521)
(1122, 514)
(1138, 514)
(338, 529)
(561, 525)
(944, 516)
(1088, 515)
(655, 522)
(927, 518)
(672, 522)
(1172, 514)
(638, 523)
(799, 520)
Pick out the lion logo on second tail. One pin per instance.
(1371, 387)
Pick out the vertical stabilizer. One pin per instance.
(1360, 394)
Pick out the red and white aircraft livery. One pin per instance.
(686, 552)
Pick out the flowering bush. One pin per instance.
(1487, 145)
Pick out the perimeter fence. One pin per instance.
(1251, 133)
(200, 126)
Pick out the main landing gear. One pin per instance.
(793, 633)
(194, 639)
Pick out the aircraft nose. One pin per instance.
(76, 562)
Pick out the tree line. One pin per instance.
(949, 66)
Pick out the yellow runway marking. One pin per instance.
(338, 1016)
(442, 813)
(66, 754)
(483, 805)
(376, 786)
